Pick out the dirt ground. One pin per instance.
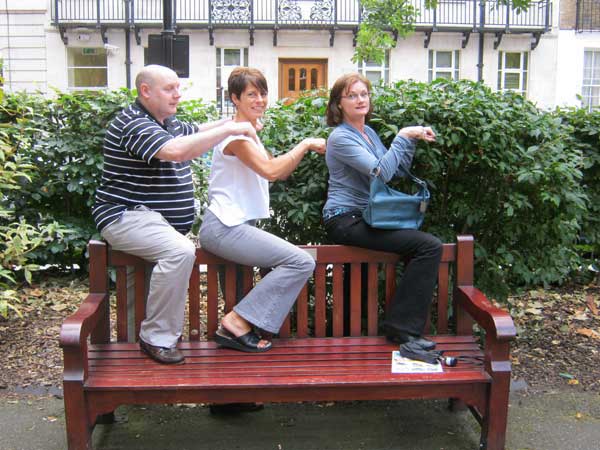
(558, 343)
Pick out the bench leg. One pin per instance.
(493, 430)
(79, 430)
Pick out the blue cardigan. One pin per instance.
(352, 160)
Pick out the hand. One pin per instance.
(315, 144)
(244, 128)
(418, 132)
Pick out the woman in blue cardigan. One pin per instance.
(355, 154)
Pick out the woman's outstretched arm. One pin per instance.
(278, 168)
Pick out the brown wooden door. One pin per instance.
(300, 75)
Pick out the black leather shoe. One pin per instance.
(163, 355)
(402, 338)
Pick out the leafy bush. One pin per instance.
(62, 138)
(18, 239)
(297, 202)
(512, 175)
(13, 168)
(501, 169)
(583, 133)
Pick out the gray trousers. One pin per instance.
(268, 303)
(147, 234)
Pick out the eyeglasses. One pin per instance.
(353, 97)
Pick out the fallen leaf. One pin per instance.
(60, 307)
(588, 332)
(51, 418)
(35, 292)
(579, 416)
(581, 316)
(591, 304)
(573, 381)
(534, 311)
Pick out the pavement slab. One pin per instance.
(543, 421)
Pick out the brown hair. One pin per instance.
(340, 88)
(241, 77)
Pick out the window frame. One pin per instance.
(223, 103)
(454, 68)
(586, 100)
(383, 69)
(522, 71)
(73, 68)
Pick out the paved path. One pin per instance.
(550, 421)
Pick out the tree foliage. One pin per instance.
(383, 22)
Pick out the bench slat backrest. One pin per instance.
(347, 294)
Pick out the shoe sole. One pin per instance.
(232, 343)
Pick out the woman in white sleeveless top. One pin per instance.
(238, 196)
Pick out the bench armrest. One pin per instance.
(74, 334)
(495, 321)
(77, 327)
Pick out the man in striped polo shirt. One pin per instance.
(145, 201)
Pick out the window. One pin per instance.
(444, 64)
(590, 92)
(87, 68)
(227, 60)
(512, 71)
(375, 72)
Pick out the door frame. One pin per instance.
(282, 78)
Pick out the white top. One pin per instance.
(236, 193)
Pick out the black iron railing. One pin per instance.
(588, 15)
(448, 15)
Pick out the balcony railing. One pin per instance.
(448, 15)
(588, 15)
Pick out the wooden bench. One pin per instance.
(327, 350)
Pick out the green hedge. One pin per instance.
(525, 182)
(583, 132)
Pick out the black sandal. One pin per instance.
(246, 343)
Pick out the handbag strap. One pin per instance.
(422, 183)
(412, 177)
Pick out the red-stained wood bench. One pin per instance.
(328, 349)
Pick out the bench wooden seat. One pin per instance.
(328, 350)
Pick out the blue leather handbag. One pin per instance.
(389, 209)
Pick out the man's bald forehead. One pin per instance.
(151, 73)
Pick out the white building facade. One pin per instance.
(550, 52)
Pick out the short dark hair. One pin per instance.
(241, 77)
(340, 87)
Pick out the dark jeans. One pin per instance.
(410, 303)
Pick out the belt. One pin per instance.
(331, 213)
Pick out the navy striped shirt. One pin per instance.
(132, 175)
